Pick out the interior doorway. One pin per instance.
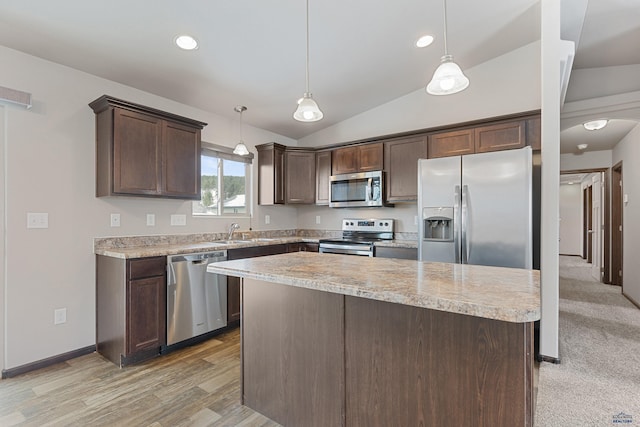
(587, 250)
(616, 225)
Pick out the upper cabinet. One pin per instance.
(285, 175)
(481, 139)
(271, 178)
(357, 158)
(141, 151)
(323, 177)
(401, 166)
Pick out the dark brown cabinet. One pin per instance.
(300, 176)
(271, 170)
(130, 308)
(401, 165)
(395, 252)
(357, 158)
(501, 136)
(141, 151)
(323, 177)
(453, 143)
(285, 175)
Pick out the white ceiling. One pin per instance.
(362, 52)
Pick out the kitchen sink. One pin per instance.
(264, 239)
(229, 242)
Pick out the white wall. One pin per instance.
(586, 160)
(627, 151)
(50, 167)
(570, 219)
(505, 85)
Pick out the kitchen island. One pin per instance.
(345, 340)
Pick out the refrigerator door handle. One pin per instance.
(465, 224)
(456, 224)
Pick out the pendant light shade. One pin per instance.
(448, 77)
(240, 148)
(307, 110)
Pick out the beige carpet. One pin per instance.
(597, 382)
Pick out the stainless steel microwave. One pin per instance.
(364, 189)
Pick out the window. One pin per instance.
(225, 183)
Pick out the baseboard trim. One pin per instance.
(554, 360)
(634, 302)
(39, 364)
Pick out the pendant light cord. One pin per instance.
(307, 74)
(444, 2)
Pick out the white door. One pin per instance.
(596, 227)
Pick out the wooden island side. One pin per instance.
(333, 340)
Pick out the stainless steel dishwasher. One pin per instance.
(196, 300)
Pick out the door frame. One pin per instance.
(606, 209)
(617, 247)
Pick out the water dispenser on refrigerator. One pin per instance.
(438, 224)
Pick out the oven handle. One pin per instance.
(329, 248)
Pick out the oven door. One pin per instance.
(346, 249)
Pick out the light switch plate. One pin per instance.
(59, 316)
(178, 219)
(318, 219)
(267, 219)
(115, 220)
(37, 220)
(151, 220)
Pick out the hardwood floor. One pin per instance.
(195, 386)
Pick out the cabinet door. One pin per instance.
(323, 176)
(279, 184)
(145, 314)
(270, 174)
(300, 177)
(136, 153)
(344, 160)
(503, 136)
(401, 167)
(370, 157)
(233, 299)
(455, 143)
(180, 161)
(533, 133)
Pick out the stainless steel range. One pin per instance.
(358, 237)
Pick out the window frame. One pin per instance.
(222, 153)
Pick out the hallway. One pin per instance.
(597, 382)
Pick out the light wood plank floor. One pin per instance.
(195, 386)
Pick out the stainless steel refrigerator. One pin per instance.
(476, 209)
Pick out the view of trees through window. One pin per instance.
(226, 196)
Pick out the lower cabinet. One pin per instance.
(395, 252)
(130, 308)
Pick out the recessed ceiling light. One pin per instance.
(595, 124)
(582, 146)
(186, 42)
(424, 41)
(570, 182)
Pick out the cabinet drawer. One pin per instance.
(147, 267)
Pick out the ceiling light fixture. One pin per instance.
(186, 42)
(424, 41)
(307, 110)
(582, 146)
(240, 148)
(595, 124)
(448, 77)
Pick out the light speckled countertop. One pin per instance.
(145, 247)
(507, 294)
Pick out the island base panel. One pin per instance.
(293, 354)
(413, 366)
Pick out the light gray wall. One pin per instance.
(50, 167)
(570, 219)
(587, 160)
(627, 151)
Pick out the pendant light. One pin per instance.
(307, 110)
(448, 78)
(240, 149)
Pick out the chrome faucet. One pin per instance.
(233, 227)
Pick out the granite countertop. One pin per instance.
(141, 247)
(507, 294)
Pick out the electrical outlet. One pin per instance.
(37, 220)
(59, 316)
(178, 219)
(267, 219)
(151, 220)
(115, 220)
(317, 219)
